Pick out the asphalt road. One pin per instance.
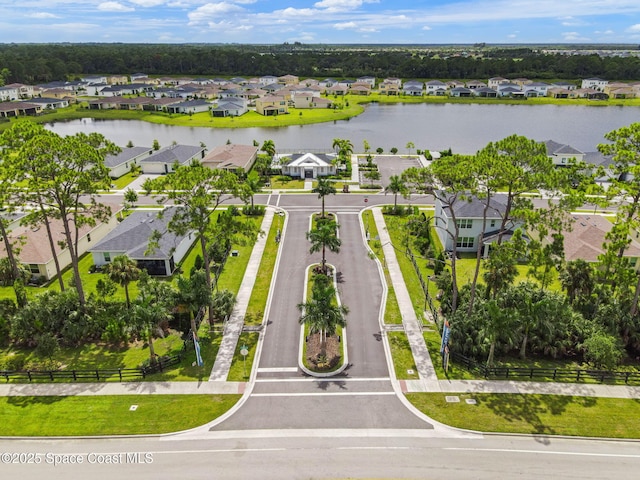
(289, 454)
(292, 426)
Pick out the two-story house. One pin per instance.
(467, 213)
(272, 105)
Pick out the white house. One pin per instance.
(433, 86)
(167, 159)
(595, 83)
(189, 107)
(561, 154)
(132, 236)
(468, 214)
(122, 162)
(308, 165)
(8, 94)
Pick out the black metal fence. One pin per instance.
(546, 374)
(425, 286)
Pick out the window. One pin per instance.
(33, 268)
(465, 242)
(465, 223)
(493, 223)
(106, 256)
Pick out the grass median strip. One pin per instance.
(534, 414)
(109, 415)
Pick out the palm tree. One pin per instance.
(194, 294)
(577, 279)
(222, 304)
(323, 237)
(123, 270)
(269, 147)
(396, 186)
(252, 185)
(323, 188)
(321, 313)
(153, 305)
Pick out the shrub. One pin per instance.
(256, 210)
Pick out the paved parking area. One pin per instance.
(389, 165)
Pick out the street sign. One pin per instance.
(244, 351)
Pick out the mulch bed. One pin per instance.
(332, 352)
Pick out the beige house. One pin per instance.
(231, 157)
(35, 250)
(288, 80)
(588, 234)
(272, 105)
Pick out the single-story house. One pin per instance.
(121, 163)
(231, 157)
(308, 165)
(460, 92)
(230, 107)
(586, 237)
(35, 249)
(131, 237)
(166, 159)
(189, 107)
(485, 92)
(468, 214)
(14, 109)
(50, 103)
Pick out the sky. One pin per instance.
(321, 21)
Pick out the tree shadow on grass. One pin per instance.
(532, 409)
(29, 401)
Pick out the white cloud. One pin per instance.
(338, 4)
(211, 11)
(298, 12)
(42, 15)
(634, 28)
(426, 27)
(344, 26)
(574, 37)
(114, 7)
(148, 3)
(74, 26)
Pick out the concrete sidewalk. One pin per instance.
(412, 325)
(233, 327)
(115, 388)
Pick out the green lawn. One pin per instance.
(134, 354)
(258, 300)
(403, 360)
(121, 183)
(240, 369)
(109, 414)
(535, 414)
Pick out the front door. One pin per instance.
(308, 173)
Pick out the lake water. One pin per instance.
(465, 128)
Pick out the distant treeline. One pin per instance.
(41, 63)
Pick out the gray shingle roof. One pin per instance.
(174, 153)
(124, 156)
(133, 233)
(473, 207)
